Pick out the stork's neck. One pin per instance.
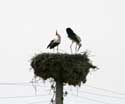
(58, 36)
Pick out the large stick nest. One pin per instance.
(68, 68)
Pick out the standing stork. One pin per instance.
(75, 39)
(55, 42)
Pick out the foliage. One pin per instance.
(68, 68)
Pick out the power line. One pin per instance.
(18, 83)
(15, 84)
(92, 100)
(102, 89)
(13, 97)
(22, 84)
(46, 101)
(107, 90)
(104, 95)
(30, 84)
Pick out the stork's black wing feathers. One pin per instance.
(51, 42)
(72, 35)
(54, 44)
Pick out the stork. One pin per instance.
(55, 42)
(75, 39)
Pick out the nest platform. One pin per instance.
(68, 68)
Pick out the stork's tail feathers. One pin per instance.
(48, 46)
(51, 42)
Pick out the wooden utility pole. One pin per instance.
(59, 92)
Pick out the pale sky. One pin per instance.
(27, 26)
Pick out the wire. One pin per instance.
(93, 100)
(39, 102)
(107, 90)
(21, 84)
(28, 84)
(104, 95)
(102, 89)
(13, 97)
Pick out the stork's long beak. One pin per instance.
(56, 32)
(79, 46)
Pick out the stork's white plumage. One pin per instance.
(55, 42)
(75, 38)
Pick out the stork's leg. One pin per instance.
(71, 47)
(57, 49)
(76, 48)
(79, 46)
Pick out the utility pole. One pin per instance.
(59, 92)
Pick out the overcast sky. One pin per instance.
(27, 26)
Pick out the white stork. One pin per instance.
(75, 38)
(55, 42)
